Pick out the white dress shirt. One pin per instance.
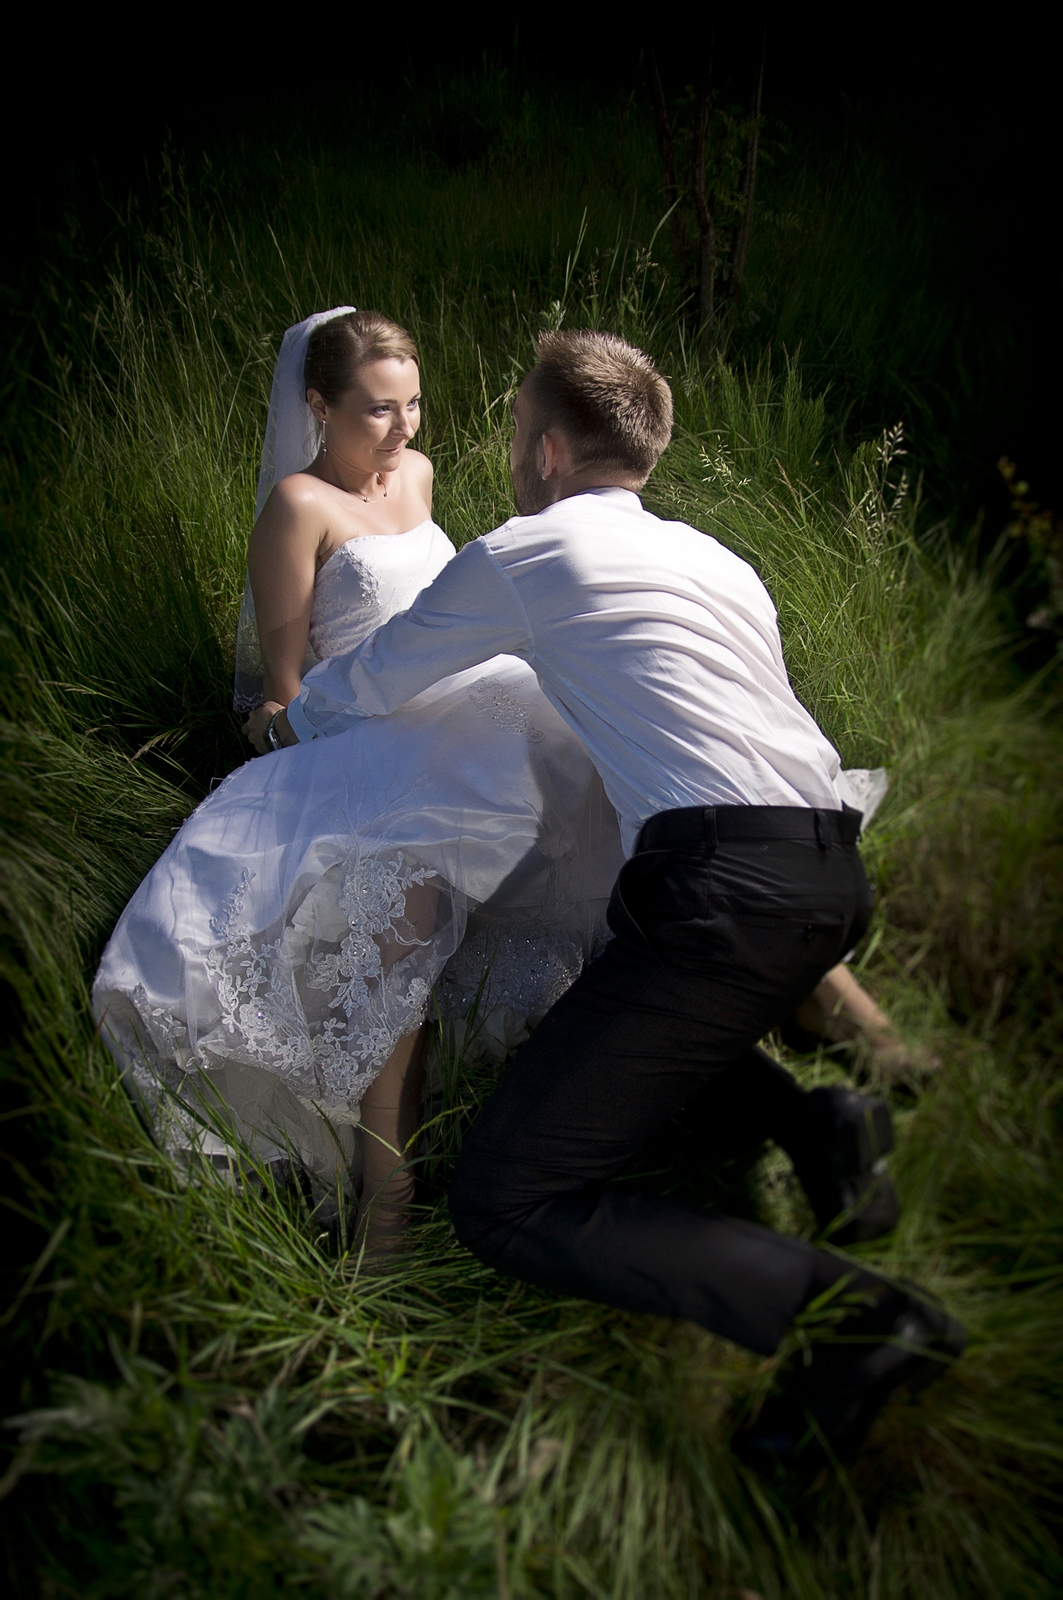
(657, 645)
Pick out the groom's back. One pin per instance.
(660, 647)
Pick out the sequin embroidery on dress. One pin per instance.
(503, 708)
(347, 601)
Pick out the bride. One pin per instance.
(271, 976)
(273, 972)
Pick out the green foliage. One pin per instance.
(200, 1502)
(1041, 531)
(219, 1397)
(442, 1542)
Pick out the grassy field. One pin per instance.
(215, 1398)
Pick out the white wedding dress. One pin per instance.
(302, 919)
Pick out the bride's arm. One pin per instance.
(282, 565)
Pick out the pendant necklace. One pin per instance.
(379, 479)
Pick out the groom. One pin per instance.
(742, 887)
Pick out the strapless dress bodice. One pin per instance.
(369, 579)
(362, 584)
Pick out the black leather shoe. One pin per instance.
(839, 1158)
(827, 1405)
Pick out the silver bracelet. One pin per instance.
(270, 734)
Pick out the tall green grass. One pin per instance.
(218, 1398)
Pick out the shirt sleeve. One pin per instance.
(468, 614)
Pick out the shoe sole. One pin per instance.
(798, 1446)
(945, 1348)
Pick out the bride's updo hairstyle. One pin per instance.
(337, 349)
(606, 397)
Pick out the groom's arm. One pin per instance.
(468, 614)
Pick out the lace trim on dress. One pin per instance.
(168, 1037)
(503, 708)
(369, 975)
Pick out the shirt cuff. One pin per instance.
(300, 723)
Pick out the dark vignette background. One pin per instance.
(962, 117)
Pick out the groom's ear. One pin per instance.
(557, 456)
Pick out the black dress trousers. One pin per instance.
(725, 919)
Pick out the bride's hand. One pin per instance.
(255, 726)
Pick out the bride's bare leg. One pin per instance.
(391, 1106)
(842, 1012)
(391, 1112)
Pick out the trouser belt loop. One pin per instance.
(817, 822)
(709, 823)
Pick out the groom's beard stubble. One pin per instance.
(530, 490)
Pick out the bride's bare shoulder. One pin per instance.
(419, 467)
(294, 512)
(298, 490)
(295, 502)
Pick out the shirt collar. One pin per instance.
(613, 491)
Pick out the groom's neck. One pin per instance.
(584, 482)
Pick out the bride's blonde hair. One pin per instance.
(337, 349)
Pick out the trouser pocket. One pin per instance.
(788, 955)
(629, 905)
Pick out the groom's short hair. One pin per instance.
(606, 397)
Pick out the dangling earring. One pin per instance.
(324, 446)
